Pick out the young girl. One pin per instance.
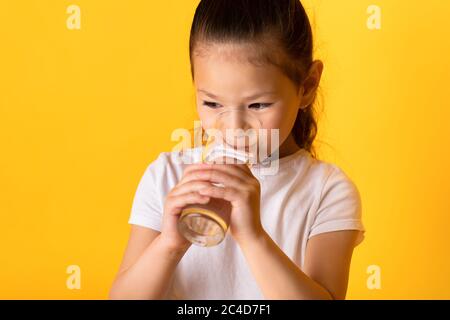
(291, 234)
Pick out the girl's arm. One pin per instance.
(326, 267)
(147, 267)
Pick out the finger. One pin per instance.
(196, 166)
(193, 167)
(177, 203)
(217, 176)
(190, 186)
(240, 170)
(226, 193)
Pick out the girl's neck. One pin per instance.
(288, 147)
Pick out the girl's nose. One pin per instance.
(237, 121)
(234, 119)
(239, 128)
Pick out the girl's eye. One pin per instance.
(212, 105)
(259, 105)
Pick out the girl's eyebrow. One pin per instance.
(208, 94)
(252, 97)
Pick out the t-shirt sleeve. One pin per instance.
(147, 207)
(339, 207)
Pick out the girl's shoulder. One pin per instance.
(331, 174)
(303, 164)
(324, 179)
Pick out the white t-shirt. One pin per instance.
(305, 198)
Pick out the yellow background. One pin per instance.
(83, 112)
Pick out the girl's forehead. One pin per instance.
(234, 67)
(231, 52)
(228, 85)
(232, 75)
(222, 60)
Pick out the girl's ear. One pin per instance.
(311, 83)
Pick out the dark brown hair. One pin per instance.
(268, 24)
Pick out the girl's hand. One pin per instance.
(241, 188)
(185, 192)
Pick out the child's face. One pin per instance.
(224, 79)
